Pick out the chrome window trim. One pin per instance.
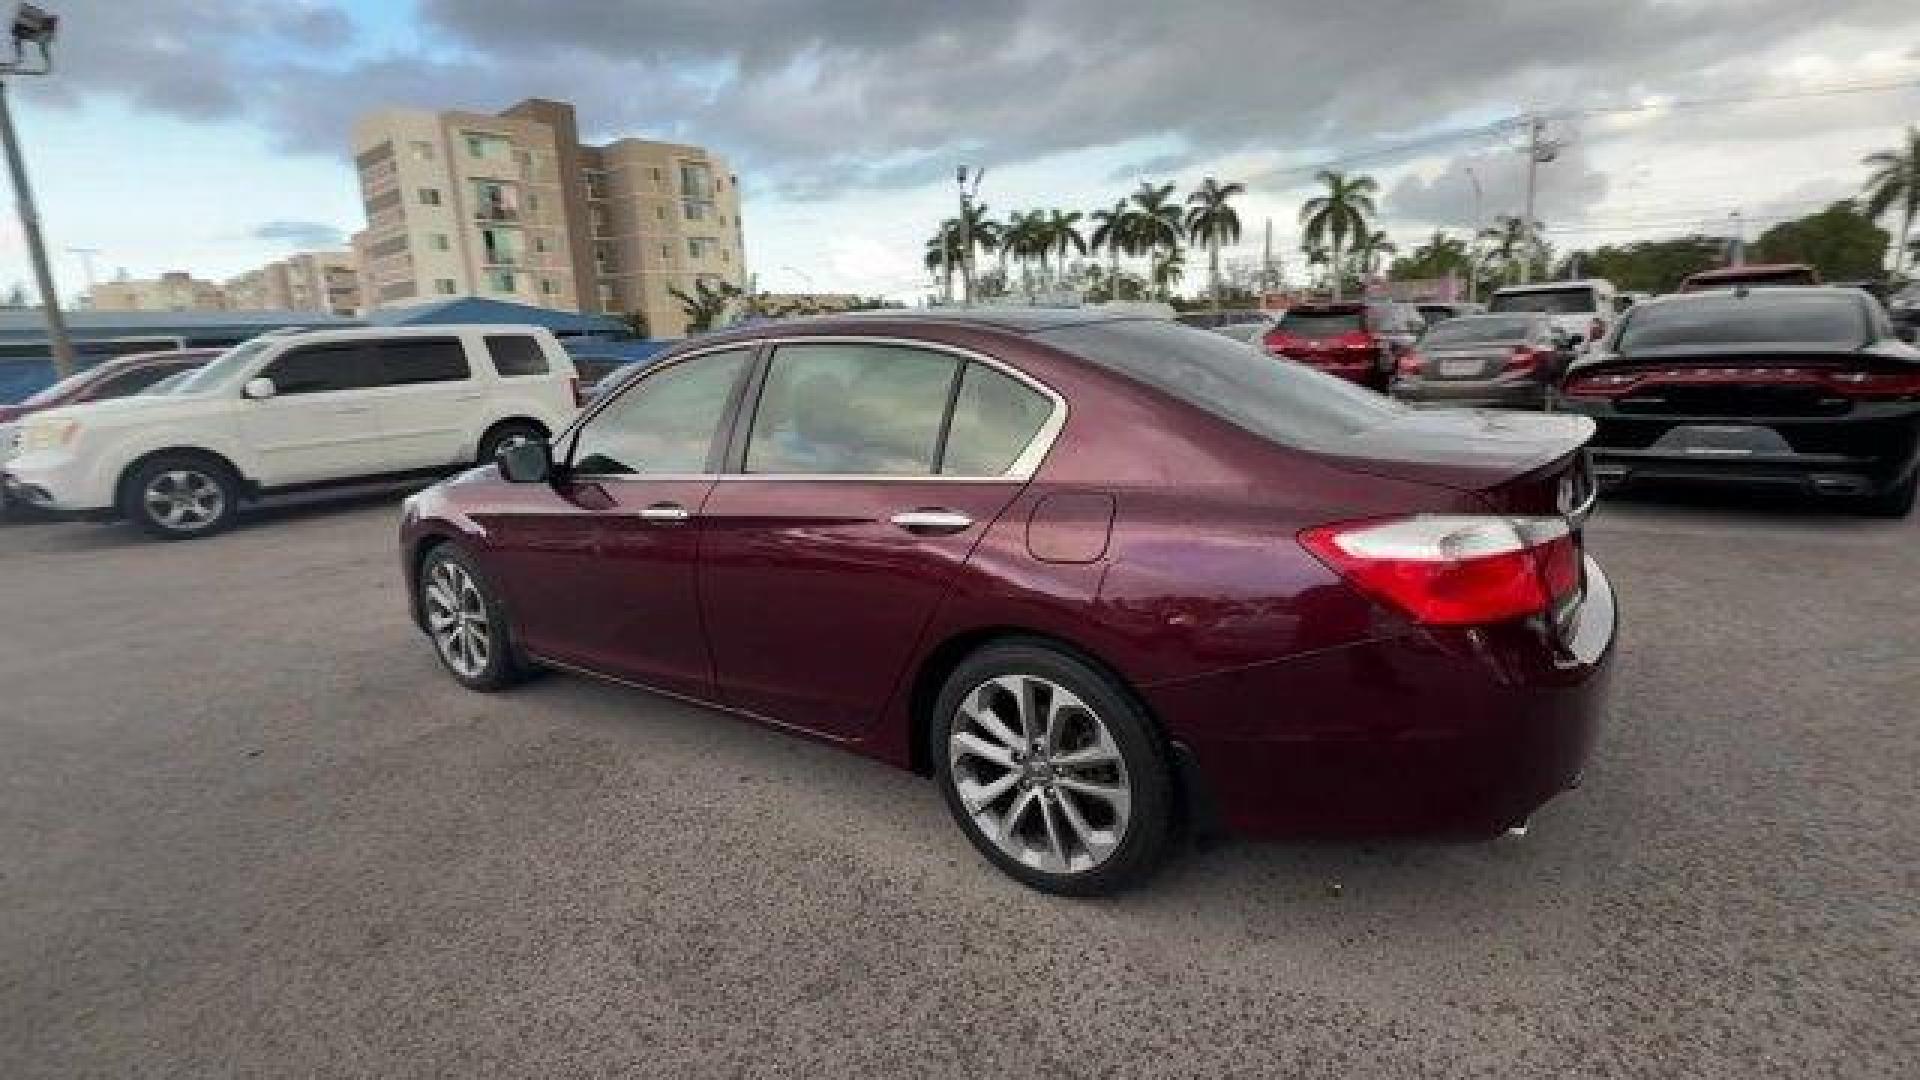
(1025, 464)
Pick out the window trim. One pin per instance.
(737, 422)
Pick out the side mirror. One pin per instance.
(259, 389)
(529, 462)
(1909, 333)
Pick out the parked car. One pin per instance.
(1091, 572)
(121, 376)
(1809, 388)
(1485, 360)
(1752, 275)
(1435, 312)
(599, 372)
(1583, 310)
(296, 411)
(1244, 332)
(1358, 340)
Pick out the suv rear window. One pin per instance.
(1763, 317)
(515, 355)
(1574, 301)
(1287, 403)
(1319, 324)
(406, 361)
(1476, 329)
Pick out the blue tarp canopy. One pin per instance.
(479, 309)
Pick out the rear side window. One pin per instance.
(665, 422)
(994, 418)
(410, 361)
(851, 409)
(1319, 324)
(318, 369)
(1573, 301)
(1287, 403)
(515, 355)
(1763, 317)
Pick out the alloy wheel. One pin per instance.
(1039, 774)
(184, 500)
(457, 617)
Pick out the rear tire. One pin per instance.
(507, 433)
(1052, 771)
(1894, 502)
(181, 496)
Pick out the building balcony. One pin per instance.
(497, 213)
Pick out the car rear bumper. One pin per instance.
(1451, 734)
(1874, 446)
(1474, 394)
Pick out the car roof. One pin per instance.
(1554, 286)
(1018, 320)
(429, 330)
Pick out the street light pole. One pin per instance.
(34, 26)
(1479, 222)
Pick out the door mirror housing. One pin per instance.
(259, 389)
(529, 462)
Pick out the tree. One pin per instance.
(1112, 232)
(636, 321)
(1840, 242)
(1650, 265)
(1167, 273)
(705, 304)
(1437, 256)
(944, 256)
(1026, 238)
(1369, 248)
(1342, 212)
(1509, 244)
(1063, 232)
(1155, 227)
(1896, 182)
(980, 232)
(1212, 221)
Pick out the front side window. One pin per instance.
(318, 369)
(994, 418)
(410, 361)
(131, 382)
(515, 355)
(851, 409)
(666, 422)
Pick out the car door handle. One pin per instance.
(665, 513)
(933, 522)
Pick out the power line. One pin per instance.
(1744, 99)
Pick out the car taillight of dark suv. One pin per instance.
(1357, 341)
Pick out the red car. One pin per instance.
(1360, 341)
(1097, 574)
(122, 376)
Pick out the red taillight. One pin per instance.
(1612, 384)
(1412, 364)
(1523, 359)
(1873, 384)
(1354, 341)
(1455, 570)
(579, 395)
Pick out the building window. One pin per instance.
(438, 241)
(502, 281)
(525, 157)
(444, 286)
(658, 180)
(421, 149)
(496, 201)
(725, 255)
(666, 252)
(547, 287)
(660, 212)
(533, 203)
(701, 246)
(695, 211)
(502, 247)
(429, 196)
(540, 244)
(696, 180)
(488, 147)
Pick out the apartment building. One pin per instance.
(308, 281)
(513, 206)
(175, 290)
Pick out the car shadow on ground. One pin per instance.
(37, 531)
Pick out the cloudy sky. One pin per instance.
(210, 135)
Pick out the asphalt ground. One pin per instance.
(248, 828)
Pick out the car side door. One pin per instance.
(428, 399)
(599, 564)
(853, 497)
(319, 424)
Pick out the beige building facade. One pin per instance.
(308, 281)
(514, 207)
(172, 291)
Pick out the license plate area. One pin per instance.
(1465, 367)
(1723, 440)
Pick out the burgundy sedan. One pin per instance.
(1098, 575)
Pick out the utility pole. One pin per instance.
(1266, 263)
(32, 26)
(86, 263)
(1540, 151)
(1738, 256)
(966, 229)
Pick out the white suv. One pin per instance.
(290, 411)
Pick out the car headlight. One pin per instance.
(47, 434)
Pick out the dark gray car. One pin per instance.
(1484, 360)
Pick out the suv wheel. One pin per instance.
(1052, 771)
(466, 622)
(181, 496)
(1893, 502)
(507, 434)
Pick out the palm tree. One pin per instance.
(944, 256)
(1025, 238)
(1212, 222)
(1342, 212)
(1510, 243)
(1063, 229)
(1168, 272)
(1370, 247)
(705, 305)
(982, 233)
(1896, 181)
(1155, 228)
(1112, 232)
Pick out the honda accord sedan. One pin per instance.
(1101, 576)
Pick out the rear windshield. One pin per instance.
(1573, 301)
(1769, 318)
(1285, 402)
(1320, 324)
(1764, 278)
(1475, 331)
(57, 390)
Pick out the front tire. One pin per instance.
(466, 622)
(1052, 771)
(181, 496)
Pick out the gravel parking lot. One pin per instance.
(248, 828)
